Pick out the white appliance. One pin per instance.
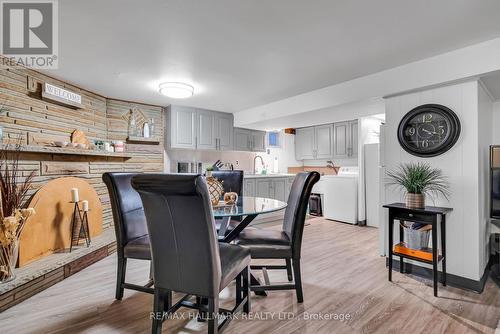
(340, 195)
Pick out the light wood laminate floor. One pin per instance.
(342, 275)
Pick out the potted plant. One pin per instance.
(14, 187)
(209, 170)
(418, 180)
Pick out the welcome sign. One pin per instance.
(61, 95)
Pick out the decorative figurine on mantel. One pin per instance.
(79, 140)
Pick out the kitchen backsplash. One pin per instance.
(240, 160)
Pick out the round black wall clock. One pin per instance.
(429, 130)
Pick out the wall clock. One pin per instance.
(429, 130)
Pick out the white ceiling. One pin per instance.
(242, 54)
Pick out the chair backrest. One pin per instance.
(126, 205)
(233, 180)
(183, 240)
(295, 213)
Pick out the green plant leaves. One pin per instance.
(419, 178)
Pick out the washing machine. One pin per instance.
(340, 195)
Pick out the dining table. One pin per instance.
(244, 211)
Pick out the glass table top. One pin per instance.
(247, 205)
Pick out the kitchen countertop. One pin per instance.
(260, 176)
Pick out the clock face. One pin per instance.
(429, 130)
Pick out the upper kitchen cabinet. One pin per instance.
(249, 140)
(242, 139)
(345, 140)
(304, 143)
(205, 138)
(224, 131)
(258, 141)
(314, 142)
(182, 125)
(323, 135)
(192, 128)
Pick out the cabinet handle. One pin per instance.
(195, 142)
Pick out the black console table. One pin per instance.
(429, 215)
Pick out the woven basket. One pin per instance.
(215, 189)
(415, 201)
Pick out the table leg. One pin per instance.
(401, 239)
(443, 246)
(223, 226)
(255, 281)
(391, 233)
(435, 255)
(233, 234)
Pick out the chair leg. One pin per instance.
(298, 280)
(213, 315)
(246, 289)
(120, 277)
(158, 309)
(289, 269)
(168, 301)
(239, 289)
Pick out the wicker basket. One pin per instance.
(415, 201)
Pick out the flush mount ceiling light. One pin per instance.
(176, 90)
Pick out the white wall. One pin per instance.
(496, 123)
(285, 154)
(461, 164)
(485, 117)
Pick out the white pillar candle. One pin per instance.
(74, 195)
(85, 205)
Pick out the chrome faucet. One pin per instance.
(254, 162)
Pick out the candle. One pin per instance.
(74, 195)
(85, 205)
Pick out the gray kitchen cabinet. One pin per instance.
(279, 189)
(200, 129)
(224, 131)
(264, 188)
(258, 141)
(242, 139)
(304, 143)
(314, 142)
(346, 140)
(205, 137)
(341, 140)
(323, 135)
(353, 135)
(268, 186)
(249, 187)
(182, 127)
(249, 140)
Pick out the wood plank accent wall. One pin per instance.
(38, 122)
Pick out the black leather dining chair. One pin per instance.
(232, 181)
(132, 241)
(286, 243)
(187, 257)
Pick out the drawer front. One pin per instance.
(415, 217)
